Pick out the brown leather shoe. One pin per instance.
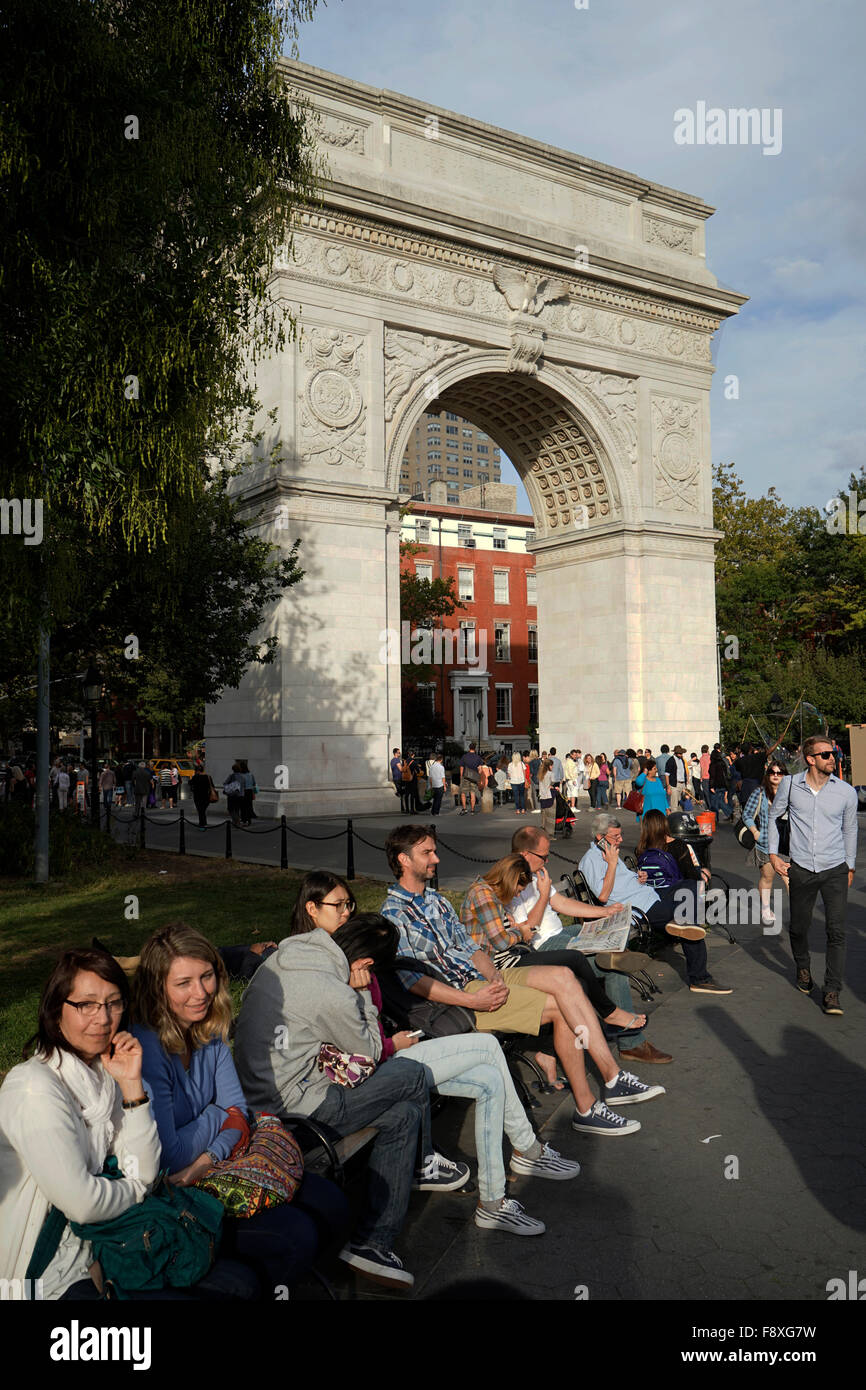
(645, 1053)
(831, 1003)
(804, 982)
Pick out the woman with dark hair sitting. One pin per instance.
(668, 861)
(182, 1010)
(469, 1065)
(75, 1102)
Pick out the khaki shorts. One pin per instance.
(522, 1010)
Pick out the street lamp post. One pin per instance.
(91, 690)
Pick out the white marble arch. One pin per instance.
(441, 264)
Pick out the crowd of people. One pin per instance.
(355, 1020)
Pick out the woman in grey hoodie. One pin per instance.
(298, 1000)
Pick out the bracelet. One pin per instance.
(133, 1104)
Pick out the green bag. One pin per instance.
(168, 1240)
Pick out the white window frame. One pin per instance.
(507, 689)
(466, 590)
(531, 589)
(500, 583)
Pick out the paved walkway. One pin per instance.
(772, 1207)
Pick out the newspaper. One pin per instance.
(603, 933)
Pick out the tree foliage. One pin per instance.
(793, 594)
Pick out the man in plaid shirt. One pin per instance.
(515, 1000)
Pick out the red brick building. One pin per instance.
(485, 657)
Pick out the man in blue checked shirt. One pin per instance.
(822, 811)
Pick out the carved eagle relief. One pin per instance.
(526, 292)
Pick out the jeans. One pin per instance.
(283, 1242)
(395, 1100)
(130, 792)
(663, 911)
(201, 808)
(472, 1065)
(717, 802)
(805, 886)
(518, 791)
(608, 989)
(705, 791)
(600, 794)
(438, 793)
(108, 797)
(225, 1281)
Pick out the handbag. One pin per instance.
(213, 794)
(167, 1240)
(747, 838)
(344, 1068)
(634, 802)
(232, 788)
(266, 1174)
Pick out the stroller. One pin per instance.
(564, 816)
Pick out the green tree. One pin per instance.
(151, 164)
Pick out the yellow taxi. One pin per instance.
(185, 767)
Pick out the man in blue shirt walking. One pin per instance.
(822, 812)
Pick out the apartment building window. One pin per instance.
(533, 706)
(464, 535)
(468, 473)
(465, 584)
(451, 429)
(424, 572)
(449, 415)
(483, 449)
(467, 448)
(502, 636)
(433, 428)
(500, 586)
(422, 532)
(468, 434)
(484, 477)
(532, 642)
(500, 538)
(432, 414)
(434, 454)
(530, 588)
(427, 693)
(503, 704)
(454, 500)
(482, 435)
(453, 458)
(453, 472)
(529, 536)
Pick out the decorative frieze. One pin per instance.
(331, 410)
(676, 453)
(674, 236)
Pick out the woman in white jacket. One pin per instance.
(62, 1112)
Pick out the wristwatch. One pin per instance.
(133, 1104)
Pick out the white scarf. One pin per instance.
(96, 1093)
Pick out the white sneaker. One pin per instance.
(768, 917)
(549, 1164)
(510, 1218)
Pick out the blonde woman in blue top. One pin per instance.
(182, 1011)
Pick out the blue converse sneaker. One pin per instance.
(600, 1120)
(383, 1266)
(628, 1090)
(440, 1174)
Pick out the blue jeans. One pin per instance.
(283, 1242)
(717, 803)
(601, 794)
(518, 791)
(664, 911)
(395, 1100)
(472, 1065)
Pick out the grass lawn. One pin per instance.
(230, 903)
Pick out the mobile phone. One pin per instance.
(416, 1034)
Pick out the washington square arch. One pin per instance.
(562, 306)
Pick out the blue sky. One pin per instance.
(605, 82)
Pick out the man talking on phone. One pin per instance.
(607, 876)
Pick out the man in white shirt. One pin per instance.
(437, 782)
(538, 905)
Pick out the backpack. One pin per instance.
(405, 771)
(168, 1240)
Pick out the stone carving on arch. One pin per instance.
(565, 436)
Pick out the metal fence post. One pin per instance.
(228, 839)
(350, 851)
(284, 844)
(142, 833)
(181, 834)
